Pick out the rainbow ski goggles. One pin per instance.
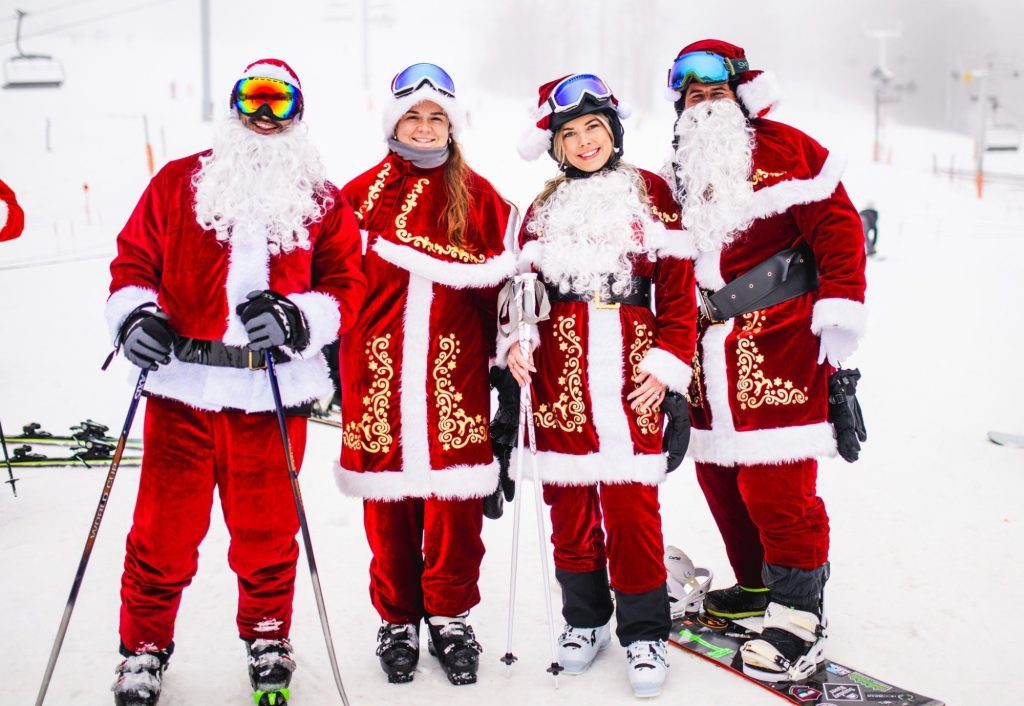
(283, 100)
(572, 90)
(412, 78)
(703, 67)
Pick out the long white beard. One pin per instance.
(713, 161)
(589, 229)
(261, 186)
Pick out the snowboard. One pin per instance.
(1013, 440)
(719, 641)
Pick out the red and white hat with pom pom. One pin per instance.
(272, 68)
(757, 91)
(562, 100)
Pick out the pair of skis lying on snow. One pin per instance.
(86, 444)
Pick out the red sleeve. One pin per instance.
(140, 244)
(12, 218)
(338, 262)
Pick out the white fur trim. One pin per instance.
(505, 343)
(248, 271)
(398, 107)
(602, 467)
(761, 95)
(323, 318)
(455, 483)
(623, 110)
(272, 71)
(669, 369)
(364, 237)
(670, 243)
(123, 302)
(780, 197)
(707, 270)
(783, 445)
(529, 256)
(459, 275)
(3, 213)
(835, 312)
(534, 143)
(672, 94)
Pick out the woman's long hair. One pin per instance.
(456, 174)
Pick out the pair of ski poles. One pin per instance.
(102, 506)
(524, 295)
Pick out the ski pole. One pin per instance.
(115, 463)
(11, 480)
(301, 511)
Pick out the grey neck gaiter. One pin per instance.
(424, 159)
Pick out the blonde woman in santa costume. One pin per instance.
(414, 374)
(603, 237)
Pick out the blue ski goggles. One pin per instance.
(412, 78)
(703, 67)
(570, 92)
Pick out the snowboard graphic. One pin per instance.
(833, 684)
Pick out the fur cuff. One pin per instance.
(505, 344)
(671, 371)
(846, 314)
(123, 302)
(671, 243)
(323, 318)
(458, 275)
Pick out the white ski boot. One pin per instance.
(647, 663)
(790, 648)
(687, 585)
(578, 647)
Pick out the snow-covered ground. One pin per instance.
(927, 528)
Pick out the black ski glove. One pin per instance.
(504, 430)
(844, 413)
(677, 429)
(146, 337)
(272, 320)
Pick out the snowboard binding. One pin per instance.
(687, 584)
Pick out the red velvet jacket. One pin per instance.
(589, 353)
(12, 218)
(164, 256)
(415, 393)
(761, 396)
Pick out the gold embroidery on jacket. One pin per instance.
(374, 193)
(761, 175)
(456, 429)
(372, 432)
(421, 241)
(695, 393)
(647, 421)
(754, 388)
(665, 217)
(569, 412)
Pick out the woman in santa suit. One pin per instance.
(603, 237)
(414, 374)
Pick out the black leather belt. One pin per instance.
(785, 275)
(637, 294)
(218, 354)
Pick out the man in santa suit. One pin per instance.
(414, 373)
(750, 189)
(12, 218)
(230, 253)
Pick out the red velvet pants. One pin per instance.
(630, 545)
(426, 556)
(767, 514)
(189, 452)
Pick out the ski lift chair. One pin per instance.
(1002, 138)
(31, 70)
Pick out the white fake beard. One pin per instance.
(713, 162)
(589, 228)
(253, 185)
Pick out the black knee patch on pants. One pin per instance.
(797, 588)
(642, 616)
(586, 598)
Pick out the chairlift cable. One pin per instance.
(89, 20)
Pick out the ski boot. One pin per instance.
(452, 641)
(270, 670)
(398, 646)
(647, 664)
(687, 585)
(578, 647)
(139, 676)
(736, 602)
(790, 648)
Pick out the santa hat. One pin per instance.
(398, 107)
(537, 139)
(757, 91)
(271, 68)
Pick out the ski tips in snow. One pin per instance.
(1002, 439)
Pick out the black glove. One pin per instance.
(677, 429)
(146, 337)
(272, 320)
(844, 413)
(504, 431)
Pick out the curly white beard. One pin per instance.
(713, 161)
(589, 229)
(261, 185)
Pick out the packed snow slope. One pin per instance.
(926, 527)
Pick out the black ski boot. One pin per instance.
(736, 602)
(270, 670)
(398, 646)
(452, 641)
(139, 676)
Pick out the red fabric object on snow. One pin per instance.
(12, 218)
(172, 515)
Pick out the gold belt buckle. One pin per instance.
(261, 361)
(600, 304)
